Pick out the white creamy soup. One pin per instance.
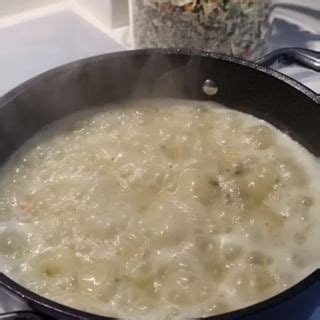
(159, 209)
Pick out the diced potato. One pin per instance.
(206, 245)
(255, 282)
(206, 189)
(216, 308)
(263, 279)
(301, 259)
(13, 243)
(307, 201)
(266, 220)
(180, 147)
(168, 230)
(202, 186)
(300, 238)
(184, 289)
(258, 182)
(226, 126)
(260, 137)
(259, 258)
(26, 206)
(131, 245)
(217, 271)
(56, 261)
(53, 270)
(97, 278)
(230, 252)
(145, 189)
(101, 226)
(292, 173)
(4, 213)
(142, 275)
(127, 296)
(143, 198)
(206, 131)
(171, 180)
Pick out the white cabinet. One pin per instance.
(112, 13)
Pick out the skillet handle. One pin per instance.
(14, 306)
(304, 57)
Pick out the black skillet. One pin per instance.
(238, 84)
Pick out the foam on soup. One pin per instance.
(159, 209)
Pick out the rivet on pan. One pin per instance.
(210, 87)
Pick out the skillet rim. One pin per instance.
(52, 308)
(314, 96)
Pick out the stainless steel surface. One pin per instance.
(296, 23)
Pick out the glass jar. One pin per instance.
(236, 27)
